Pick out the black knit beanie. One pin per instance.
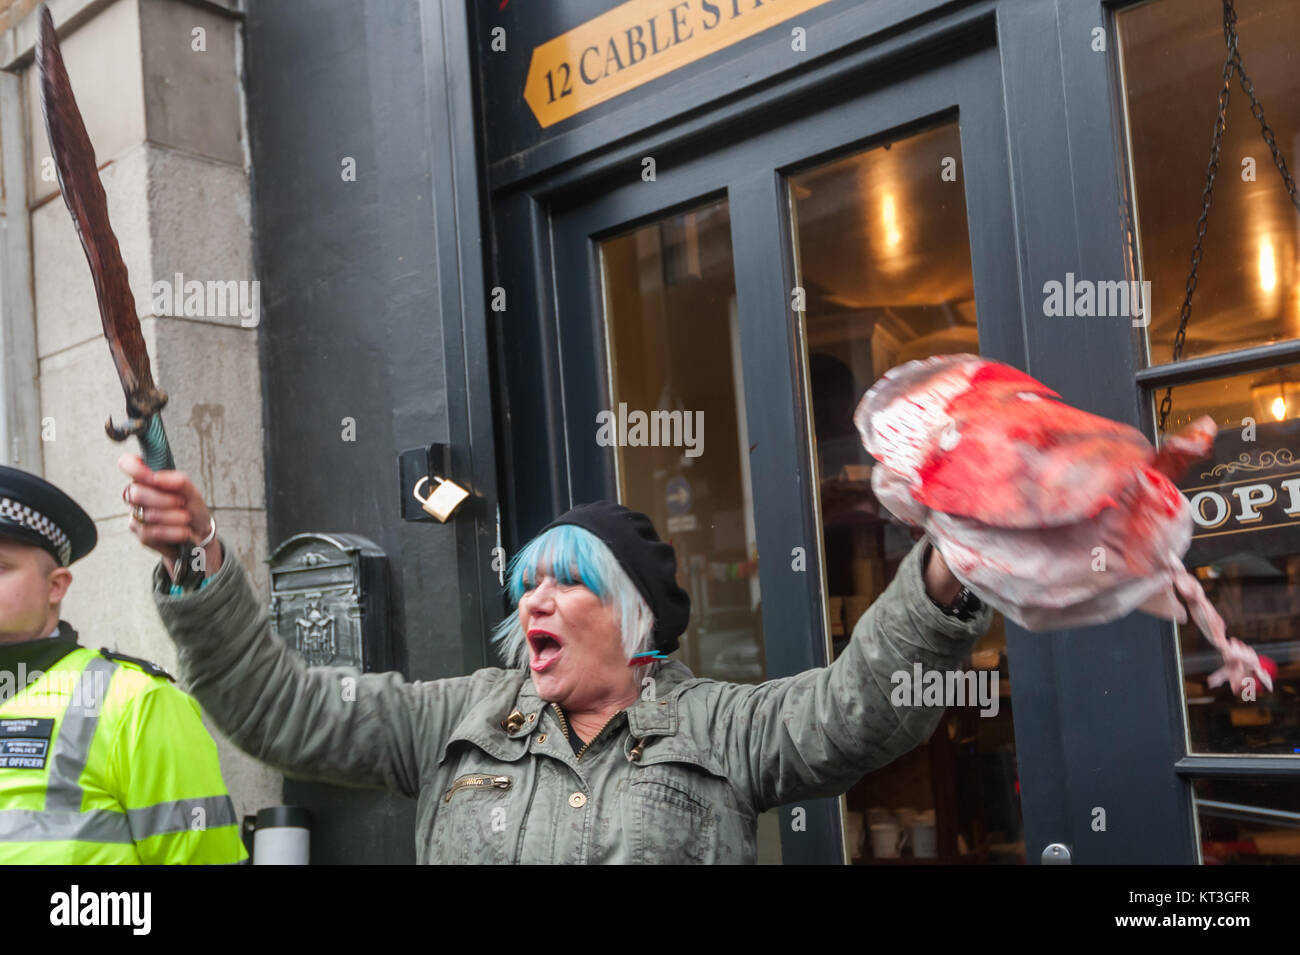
(648, 561)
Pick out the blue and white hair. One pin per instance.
(574, 555)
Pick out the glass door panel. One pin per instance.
(676, 421)
(1246, 552)
(1248, 286)
(679, 390)
(1248, 822)
(882, 252)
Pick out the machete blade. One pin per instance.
(74, 160)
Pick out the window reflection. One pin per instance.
(673, 335)
(1246, 552)
(1248, 288)
(1247, 822)
(883, 255)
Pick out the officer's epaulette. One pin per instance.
(147, 666)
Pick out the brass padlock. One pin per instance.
(443, 500)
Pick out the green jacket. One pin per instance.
(679, 777)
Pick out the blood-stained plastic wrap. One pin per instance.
(1056, 517)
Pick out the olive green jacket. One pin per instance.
(679, 776)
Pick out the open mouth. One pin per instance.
(546, 648)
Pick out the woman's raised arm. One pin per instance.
(816, 733)
(329, 723)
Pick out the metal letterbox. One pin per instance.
(329, 600)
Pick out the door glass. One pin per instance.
(676, 419)
(1248, 285)
(1246, 552)
(1248, 822)
(882, 253)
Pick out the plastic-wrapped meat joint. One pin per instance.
(1056, 517)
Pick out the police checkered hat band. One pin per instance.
(16, 513)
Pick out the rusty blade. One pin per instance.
(74, 159)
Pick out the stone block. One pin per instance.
(214, 418)
(67, 312)
(104, 63)
(191, 96)
(200, 228)
(79, 389)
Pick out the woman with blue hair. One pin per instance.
(589, 745)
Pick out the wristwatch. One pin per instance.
(964, 606)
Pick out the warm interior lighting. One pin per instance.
(1267, 266)
(1275, 396)
(892, 235)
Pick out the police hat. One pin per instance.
(36, 512)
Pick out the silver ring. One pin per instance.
(212, 532)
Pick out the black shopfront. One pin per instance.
(730, 217)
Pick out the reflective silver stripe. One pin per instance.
(34, 825)
(76, 733)
(179, 816)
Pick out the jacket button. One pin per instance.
(578, 800)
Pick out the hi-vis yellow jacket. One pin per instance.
(102, 762)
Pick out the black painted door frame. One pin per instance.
(1098, 711)
(751, 173)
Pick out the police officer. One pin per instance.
(102, 759)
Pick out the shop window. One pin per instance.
(1246, 538)
(676, 389)
(1248, 822)
(883, 258)
(1248, 286)
(1246, 552)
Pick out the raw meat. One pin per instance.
(1056, 517)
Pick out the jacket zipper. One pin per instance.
(477, 781)
(564, 726)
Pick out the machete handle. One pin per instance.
(153, 442)
(156, 452)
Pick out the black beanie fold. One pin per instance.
(648, 561)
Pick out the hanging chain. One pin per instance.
(1233, 62)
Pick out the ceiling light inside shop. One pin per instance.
(892, 235)
(1275, 398)
(1267, 266)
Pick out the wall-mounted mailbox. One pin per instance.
(330, 601)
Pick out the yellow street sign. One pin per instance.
(637, 42)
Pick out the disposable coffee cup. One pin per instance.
(924, 840)
(283, 836)
(887, 840)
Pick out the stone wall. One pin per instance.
(159, 86)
